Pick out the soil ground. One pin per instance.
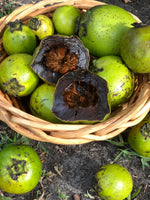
(68, 171)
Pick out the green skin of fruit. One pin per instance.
(113, 182)
(20, 169)
(41, 26)
(21, 40)
(64, 19)
(139, 137)
(135, 51)
(102, 27)
(16, 77)
(119, 78)
(41, 102)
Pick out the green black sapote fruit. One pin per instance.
(16, 76)
(113, 182)
(135, 49)
(41, 102)
(41, 25)
(81, 97)
(65, 19)
(101, 29)
(58, 55)
(18, 38)
(139, 137)
(119, 78)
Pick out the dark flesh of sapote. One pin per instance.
(58, 55)
(81, 97)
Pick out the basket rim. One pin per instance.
(70, 134)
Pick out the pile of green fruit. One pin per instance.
(75, 67)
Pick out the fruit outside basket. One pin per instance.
(13, 114)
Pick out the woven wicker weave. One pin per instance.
(13, 114)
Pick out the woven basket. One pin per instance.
(13, 114)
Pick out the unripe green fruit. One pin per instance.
(102, 27)
(113, 182)
(119, 78)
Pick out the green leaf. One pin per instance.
(44, 147)
(135, 194)
(5, 198)
(61, 196)
(117, 157)
(144, 162)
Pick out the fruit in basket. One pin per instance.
(20, 169)
(101, 29)
(139, 137)
(113, 182)
(58, 55)
(119, 78)
(81, 96)
(41, 25)
(135, 50)
(16, 76)
(65, 19)
(41, 102)
(18, 38)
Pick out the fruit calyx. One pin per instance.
(15, 25)
(34, 23)
(17, 168)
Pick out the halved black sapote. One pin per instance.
(58, 55)
(81, 97)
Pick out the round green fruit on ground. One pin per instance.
(18, 38)
(16, 76)
(65, 19)
(119, 78)
(101, 29)
(134, 49)
(41, 102)
(139, 137)
(20, 169)
(113, 182)
(41, 25)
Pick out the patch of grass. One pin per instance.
(16, 139)
(131, 197)
(5, 198)
(44, 147)
(6, 9)
(61, 196)
(118, 141)
(129, 152)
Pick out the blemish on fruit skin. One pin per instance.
(44, 100)
(13, 87)
(84, 26)
(84, 31)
